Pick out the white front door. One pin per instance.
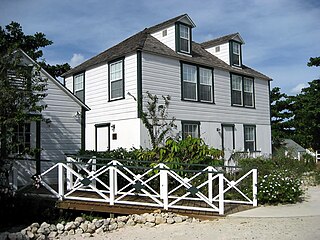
(102, 138)
(228, 141)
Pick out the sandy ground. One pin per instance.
(227, 228)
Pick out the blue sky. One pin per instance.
(280, 35)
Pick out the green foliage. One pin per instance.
(280, 114)
(314, 62)
(279, 187)
(156, 120)
(189, 150)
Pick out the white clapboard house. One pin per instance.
(60, 132)
(213, 94)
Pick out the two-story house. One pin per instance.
(213, 94)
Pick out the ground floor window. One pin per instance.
(21, 138)
(249, 138)
(190, 129)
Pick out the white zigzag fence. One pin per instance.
(157, 186)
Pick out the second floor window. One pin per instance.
(235, 56)
(116, 80)
(78, 86)
(184, 39)
(242, 93)
(197, 83)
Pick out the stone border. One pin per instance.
(85, 228)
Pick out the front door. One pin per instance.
(227, 142)
(102, 137)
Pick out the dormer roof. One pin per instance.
(224, 39)
(184, 18)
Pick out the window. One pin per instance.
(183, 38)
(190, 129)
(189, 82)
(197, 83)
(164, 33)
(235, 56)
(116, 80)
(242, 93)
(205, 84)
(21, 137)
(249, 138)
(78, 86)
(217, 48)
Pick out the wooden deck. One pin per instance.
(126, 209)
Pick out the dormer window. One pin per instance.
(235, 54)
(183, 43)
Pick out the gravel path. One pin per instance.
(227, 228)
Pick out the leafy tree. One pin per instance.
(306, 119)
(280, 114)
(156, 120)
(12, 38)
(314, 62)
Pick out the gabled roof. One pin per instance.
(55, 81)
(223, 39)
(145, 42)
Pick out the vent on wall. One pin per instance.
(218, 49)
(164, 33)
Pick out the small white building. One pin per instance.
(213, 94)
(61, 132)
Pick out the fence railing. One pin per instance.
(156, 185)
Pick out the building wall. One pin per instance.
(169, 39)
(161, 76)
(120, 113)
(223, 54)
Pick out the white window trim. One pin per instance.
(188, 39)
(116, 79)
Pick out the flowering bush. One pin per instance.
(279, 187)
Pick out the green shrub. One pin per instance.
(279, 187)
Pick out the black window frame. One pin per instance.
(178, 38)
(183, 123)
(231, 43)
(245, 144)
(82, 97)
(122, 80)
(198, 84)
(243, 101)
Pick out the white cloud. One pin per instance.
(76, 59)
(297, 89)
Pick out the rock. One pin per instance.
(99, 230)
(69, 226)
(170, 220)
(30, 234)
(113, 220)
(41, 237)
(79, 231)
(4, 236)
(53, 228)
(36, 225)
(99, 223)
(157, 211)
(76, 224)
(121, 224)
(91, 228)
(71, 232)
(60, 227)
(106, 221)
(52, 235)
(12, 236)
(44, 230)
(84, 227)
(159, 220)
(44, 225)
(149, 224)
(113, 226)
(189, 220)
(86, 235)
(130, 222)
(177, 219)
(140, 219)
(150, 218)
(79, 219)
(122, 219)
(94, 220)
